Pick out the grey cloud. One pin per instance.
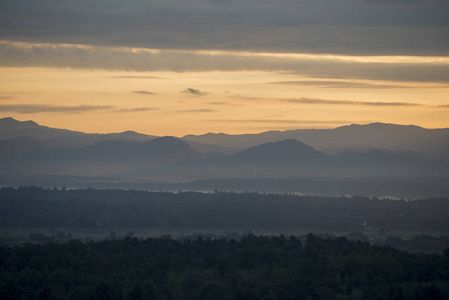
(64, 56)
(40, 108)
(349, 102)
(144, 92)
(319, 26)
(396, 2)
(194, 92)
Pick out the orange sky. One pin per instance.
(177, 67)
(231, 101)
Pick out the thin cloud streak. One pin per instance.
(244, 97)
(349, 102)
(139, 109)
(194, 92)
(42, 108)
(205, 110)
(135, 77)
(351, 85)
(223, 103)
(144, 92)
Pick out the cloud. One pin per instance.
(223, 103)
(42, 108)
(5, 97)
(138, 109)
(244, 97)
(136, 77)
(411, 69)
(205, 110)
(194, 92)
(349, 102)
(144, 92)
(321, 26)
(351, 85)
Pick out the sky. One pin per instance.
(177, 67)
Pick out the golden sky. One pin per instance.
(193, 72)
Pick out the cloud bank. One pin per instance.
(413, 69)
(355, 27)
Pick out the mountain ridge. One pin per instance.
(174, 159)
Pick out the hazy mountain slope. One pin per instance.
(209, 148)
(433, 143)
(104, 158)
(51, 137)
(286, 151)
(173, 160)
(291, 158)
(11, 128)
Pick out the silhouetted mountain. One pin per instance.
(170, 159)
(211, 149)
(119, 151)
(382, 163)
(11, 128)
(170, 147)
(433, 143)
(51, 137)
(22, 144)
(287, 151)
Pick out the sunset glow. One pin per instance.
(178, 87)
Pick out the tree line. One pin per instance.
(37, 207)
(254, 267)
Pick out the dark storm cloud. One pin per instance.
(194, 92)
(42, 108)
(144, 92)
(349, 102)
(318, 26)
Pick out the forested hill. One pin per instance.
(251, 268)
(38, 207)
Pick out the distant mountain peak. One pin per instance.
(9, 123)
(284, 150)
(170, 145)
(379, 124)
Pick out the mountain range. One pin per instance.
(355, 151)
(431, 143)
